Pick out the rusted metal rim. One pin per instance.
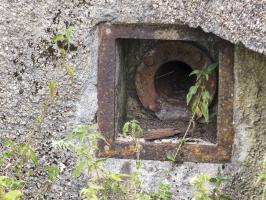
(166, 52)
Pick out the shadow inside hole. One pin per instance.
(172, 80)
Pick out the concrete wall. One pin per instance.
(27, 64)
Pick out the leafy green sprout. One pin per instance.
(134, 129)
(101, 182)
(262, 178)
(17, 160)
(66, 39)
(20, 153)
(198, 97)
(9, 188)
(53, 172)
(164, 192)
(208, 187)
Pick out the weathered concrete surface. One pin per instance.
(250, 126)
(237, 21)
(27, 64)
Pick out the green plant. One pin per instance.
(9, 188)
(102, 183)
(203, 190)
(164, 192)
(133, 129)
(18, 159)
(143, 196)
(53, 172)
(262, 178)
(64, 42)
(198, 97)
(20, 153)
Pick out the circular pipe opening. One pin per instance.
(172, 80)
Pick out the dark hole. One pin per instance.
(172, 80)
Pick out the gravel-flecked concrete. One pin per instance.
(27, 63)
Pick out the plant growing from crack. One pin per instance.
(101, 182)
(64, 42)
(262, 178)
(18, 160)
(202, 184)
(9, 188)
(198, 97)
(133, 129)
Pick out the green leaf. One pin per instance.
(164, 192)
(13, 195)
(33, 156)
(63, 54)
(3, 181)
(142, 196)
(78, 169)
(126, 128)
(194, 72)
(9, 143)
(71, 72)
(192, 91)
(26, 152)
(211, 67)
(219, 178)
(115, 177)
(140, 131)
(30, 172)
(204, 111)
(52, 172)
(200, 179)
(206, 97)
(90, 193)
(69, 35)
(262, 176)
(15, 184)
(52, 87)
(138, 164)
(136, 130)
(224, 197)
(8, 154)
(195, 104)
(264, 192)
(170, 157)
(58, 37)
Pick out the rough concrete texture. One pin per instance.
(27, 60)
(241, 21)
(250, 126)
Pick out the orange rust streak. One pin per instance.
(130, 150)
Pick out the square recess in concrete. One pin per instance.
(137, 64)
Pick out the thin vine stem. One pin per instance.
(185, 135)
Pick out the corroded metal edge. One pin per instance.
(188, 53)
(156, 151)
